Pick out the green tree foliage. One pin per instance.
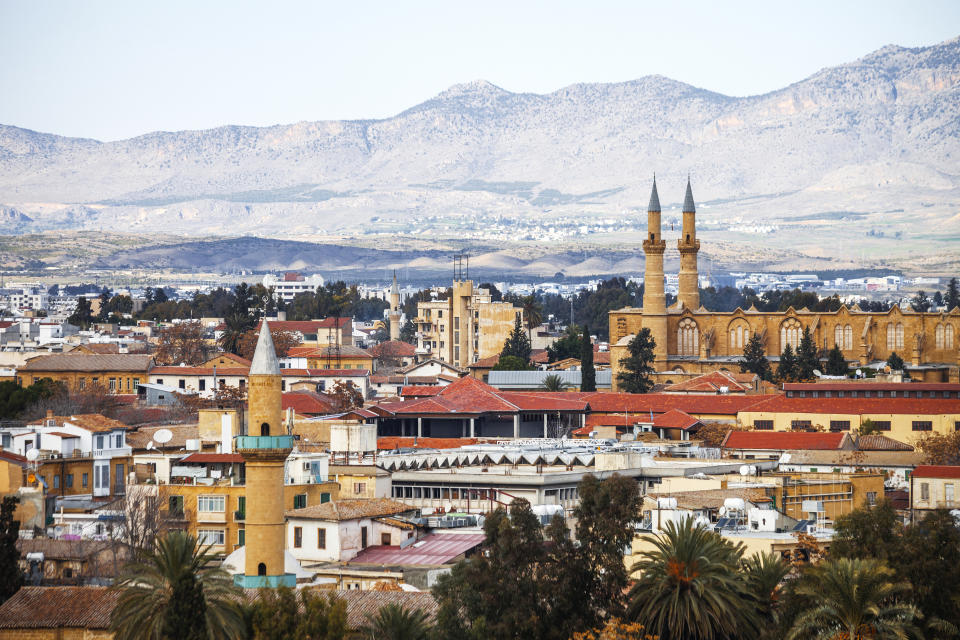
(82, 316)
(836, 363)
(924, 553)
(755, 358)
(591, 307)
(588, 380)
(787, 369)
(532, 314)
(920, 301)
(408, 332)
(495, 294)
(303, 614)
(394, 622)
(808, 360)
(567, 346)
(168, 587)
(895, 362)
(511, 363)
(690, 586)
(853, 598)
(764, 574)
(11, 578)
(952, 298)
(15, 399)
(518, 587)
(235, 326)
(637, 367)
(553, 383)
(517, 344)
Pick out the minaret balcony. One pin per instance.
(264, 442)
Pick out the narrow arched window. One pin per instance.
(848, 337)
(261, 569)
(264, 429)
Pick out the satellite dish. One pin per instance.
(744, 470)
(722, 511)
(33, 454)
(163, 435)
(150, 445)
(817, 373)
(859, 373)
(784, 458)
(753, 469)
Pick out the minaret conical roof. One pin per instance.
(688, 206)
(395, 289)
(265, 361)
(654, 198)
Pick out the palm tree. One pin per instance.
(175, 591)
(235, 325)
(394, 622)
(690, 587)
(765, 572)
(553, 382)
(532, 314)
(855, 599)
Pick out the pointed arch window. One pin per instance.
(739, 335)
(894, 336)
(848, 337)
(688, 338)
(790, 333)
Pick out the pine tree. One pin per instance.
(637, 367)
(787, 369)
(836, 363)
(10, 575)
(807, 359)
(895, 362)
(517, 343)
(920, 302)
(755, 358)
(588, 374)
(82, 316)
(953, 295)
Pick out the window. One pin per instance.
(688, 338)
(839, 425)
(214, 537)
(956, 426)
(894, 336)
(182, 384)
(801, 424)
(136, 384)
(363, 538)
(84, 480)
(948, 494)
(882, 425)
(112, 385)
(99, 442)
(159, 380)
(871, 498)
(297, 537)
(202, 384)
(56, 482)
(241, 508)
(176, 506)
(385, 539)
(763, 425)
(211, 504)
(241, 537)
(790, 332)
(324, 497)
(321, 538)
(300, 501)
(739, 335)
(924, 491)
(359, 488)
(82, 384)
(922, 425)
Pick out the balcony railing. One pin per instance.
(264, 442)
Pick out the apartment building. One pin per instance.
(934, 487)
(118, 374)
(465, 327)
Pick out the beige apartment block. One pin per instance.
(465, 327)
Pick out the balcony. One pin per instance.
(268, 582)
(239, 516)
(264, 442)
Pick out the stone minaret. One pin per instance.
(394, 314)
(654, 298)
(688, 294)
(264, 452)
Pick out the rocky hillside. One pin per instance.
(878, 133)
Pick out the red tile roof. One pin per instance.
(615, 420)
(307, 403)
(435, 549)
(388, 443)
(59, 607)
(710, 383)
(417, 391)
(878, 442)
(537, 356)
(858, 406)
(486, 363)
(871, 386)
(309, 326)
(212, 458)
(936, 471)
(93, 422)
(393, 349)
(293, 276)
(13, 457)
(675, 419)
(783, 440)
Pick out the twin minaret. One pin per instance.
(654, 298)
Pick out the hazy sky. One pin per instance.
(111, 70)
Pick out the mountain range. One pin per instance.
(879, 136)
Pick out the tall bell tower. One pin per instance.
(264, 452)
(394, 314)
(654, 298)
(688, 294)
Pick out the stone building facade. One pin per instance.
(692, 340)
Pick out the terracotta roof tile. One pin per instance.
(416, 391)
(936, 471)
(59, 607)
(351, 509)
(877, 442)
(93, 363)
(675, 419)
(388, 443)
(307, 403)
(710, 383)
(784, 440)
(393, 349)
(93, 422)
(212, 458)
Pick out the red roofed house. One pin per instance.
(759, 445)
(318, 333)
(934, 487)
(308, 403)
(394, 353)
(718, 382)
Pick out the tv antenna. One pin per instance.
(461, 267)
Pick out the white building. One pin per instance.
(288, 286)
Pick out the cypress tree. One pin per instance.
(755, 358)
(588, 374)
(517, 343)
(11, 577)
(836, 363)
(895, 362)
(953, 295)
(638, 366)
(787, 369)
(807, 359)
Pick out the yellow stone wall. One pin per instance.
(126, 382)
(67, 633)
(264, 524)
(265, 400)
(901, 425)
